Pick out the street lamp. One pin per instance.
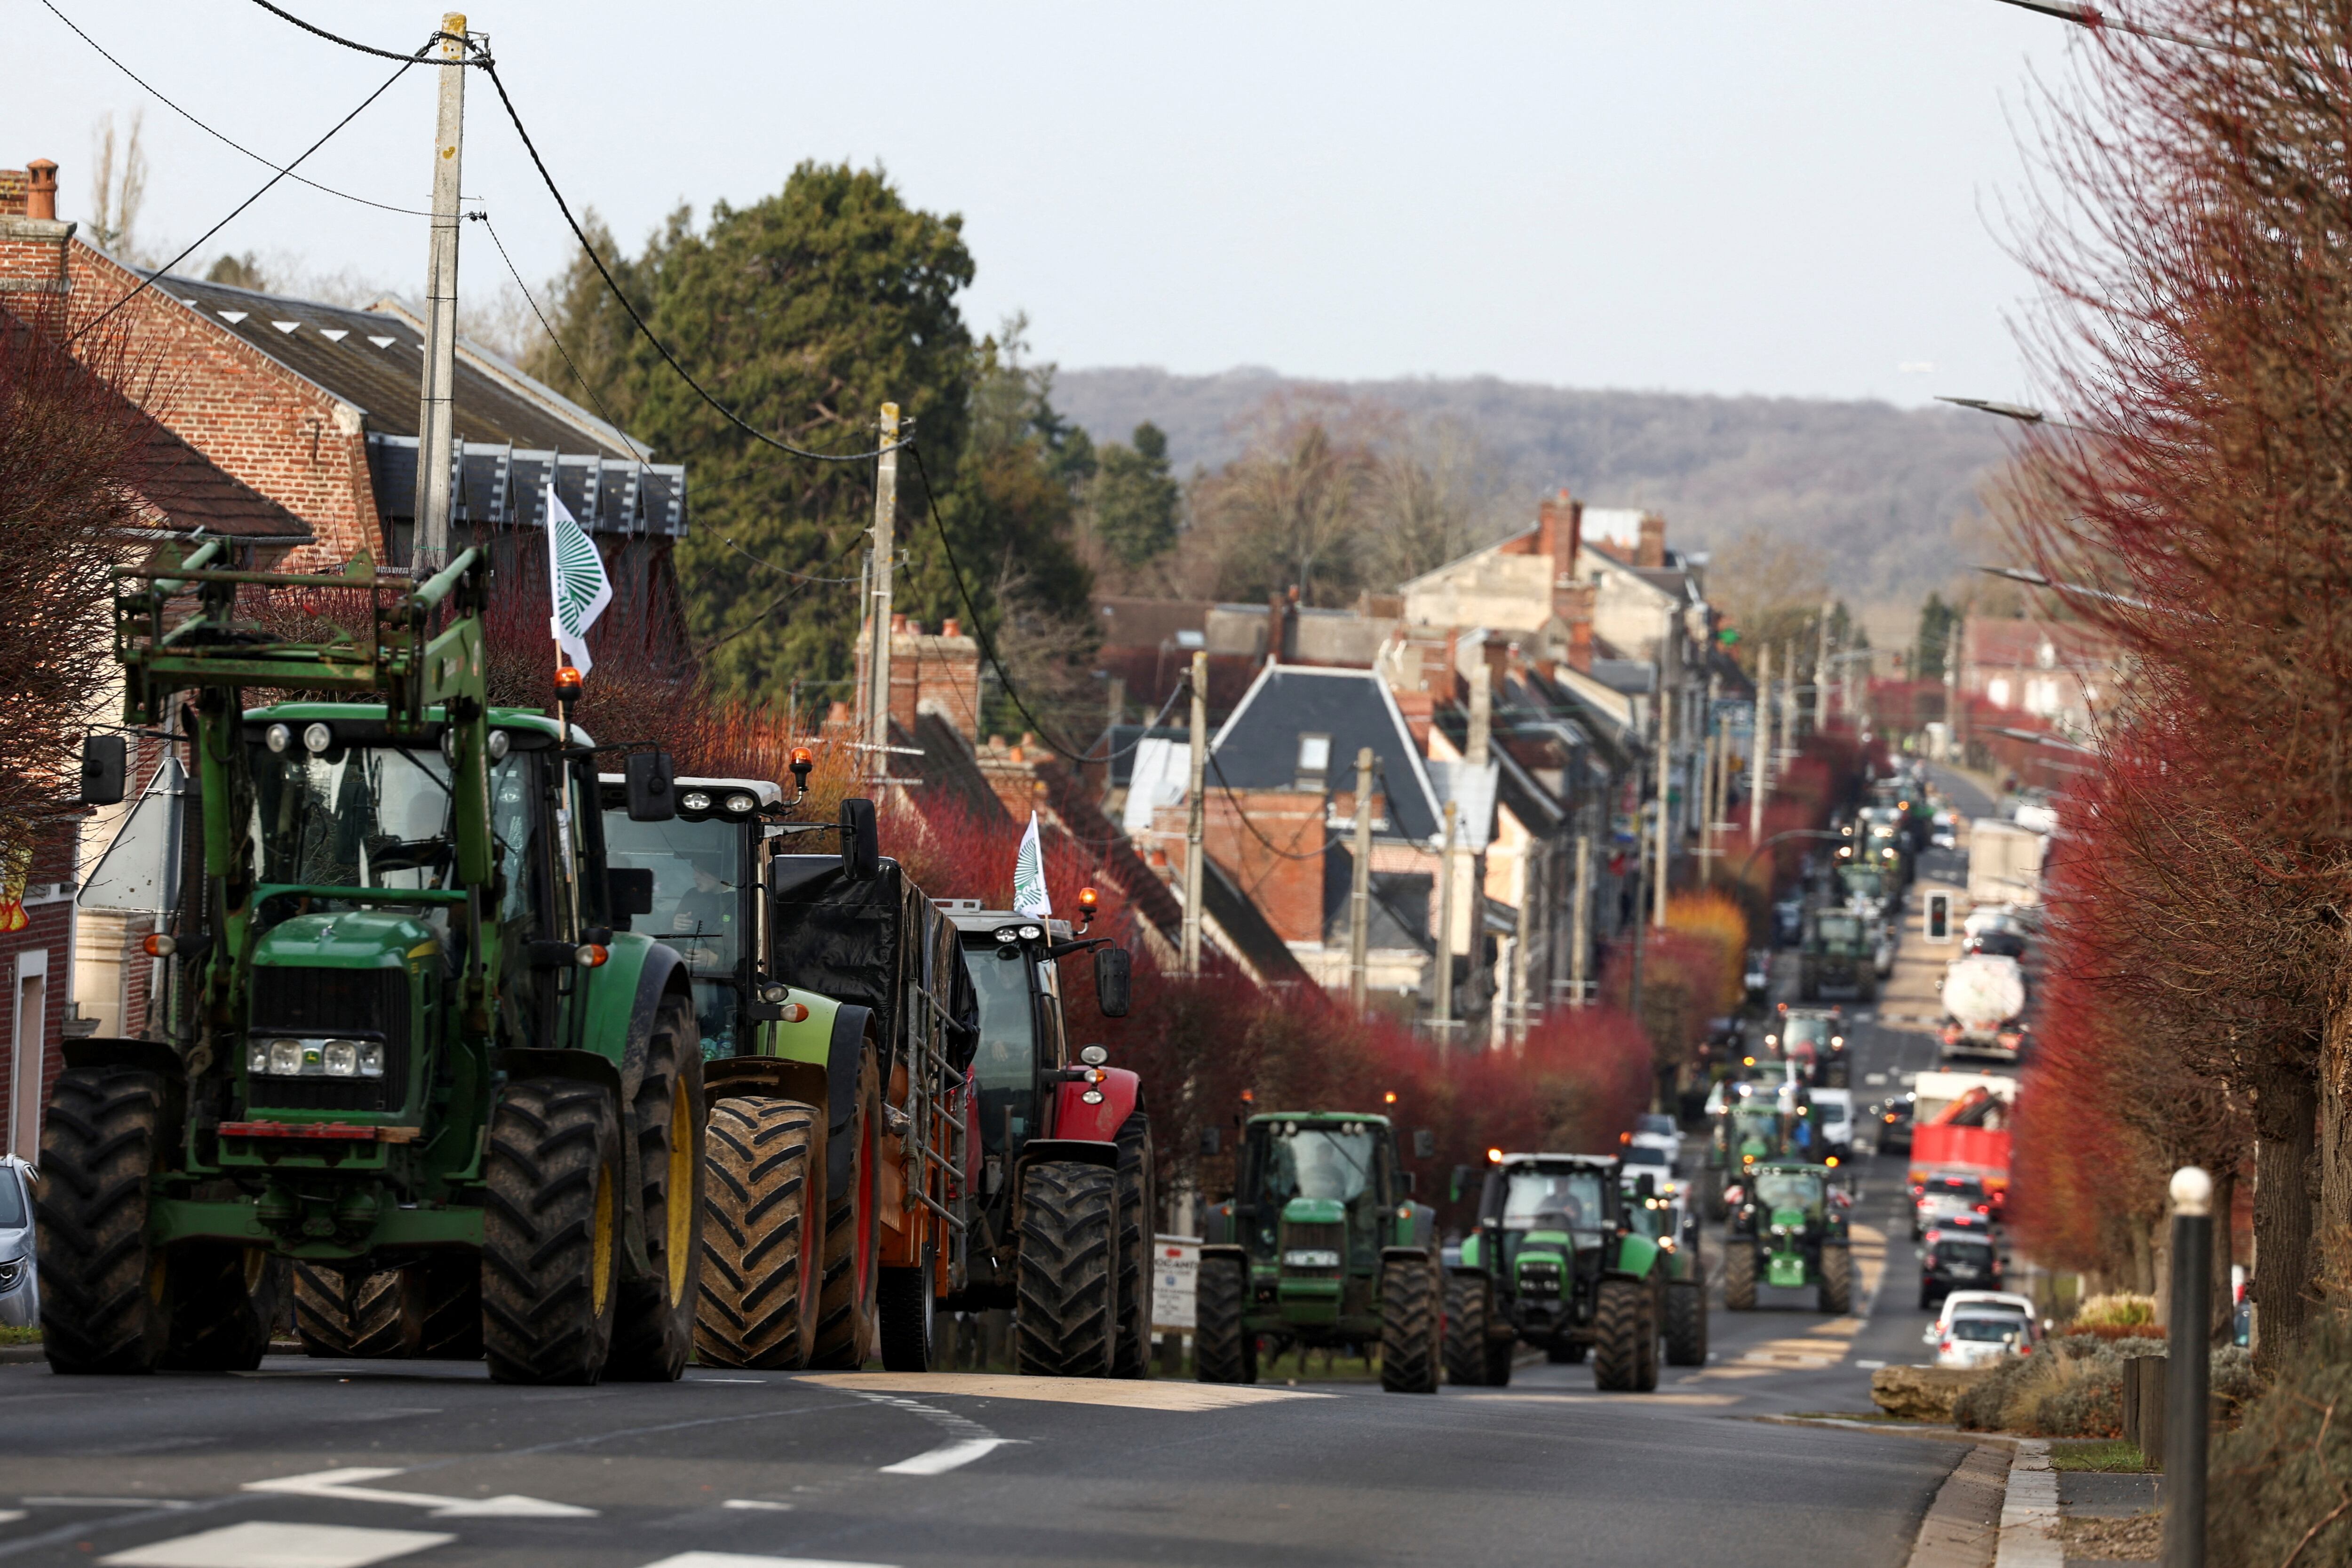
(2019, 411)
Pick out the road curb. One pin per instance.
(2029, 1512)
(1963, 1526)
(12, 1354)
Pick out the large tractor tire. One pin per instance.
(1710, 1186)
(446, 1294)
(848, 1316)
(1413, 1325)
(765, 1181)
(352, 1317)
(1837, 1281)
(1465, 1328)
(1625, 1336)
(1740, 1275)
(1138, 1202)
(1067, 1319)
(1868, 990)
(224, 1299)
(105, 1304)
(552, 1232)
(910, 1315)
(1686, 1323)
(1501, 1353)
(1223, 1351)
(652, 1328)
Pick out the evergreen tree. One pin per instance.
(1938, 624)
(1135, 498)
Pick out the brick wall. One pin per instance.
(49, 930)
(1279, 868)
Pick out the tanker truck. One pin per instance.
(1984, 1001)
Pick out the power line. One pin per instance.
(215, 135)
(605, 273)
(349, 44)
(149, 281)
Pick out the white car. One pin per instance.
(1982, 1301)
(20, 1290)
(1833, 1120)
(1658, 1133)
(1975, 1337)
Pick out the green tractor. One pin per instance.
(1558, 1260)
(1838, 956)
(1662, 1214)
(410, 1054)
(1321, 1245)
(1788, 1231)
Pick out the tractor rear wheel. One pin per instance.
(352, 1317)
(1413, 1325)
(104, 1301)
(444, 1293)
(1500, 1353)
(1137, 1204)
(910, 1315)
(1837, 1281)
(1465, 1328)
(1622, 1326)
(764, 1181)
(1224, 1350)
(1740, 1275)
(1686, 1323)
(223, 1299)
(652, 1328)
(846, 1318)
(552, 1232)
(1067, 1319)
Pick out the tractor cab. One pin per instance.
(1316, 1201)
(1786, 1231)
(1547, 1224)
(1813, 1038)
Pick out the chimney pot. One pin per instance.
(41, 188)
(951, 628)
(1650, 554)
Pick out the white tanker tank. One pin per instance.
(1984, 1000)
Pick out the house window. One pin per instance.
(1314, 761)
(1997, 690)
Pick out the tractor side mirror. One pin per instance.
(1411, 1182)
(1424, 1143)
(861, 840)
(632, 890)
(104, 766)
(1461, 1180)
(1112, 966)
(649, 782)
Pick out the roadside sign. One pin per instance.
(1176, 1268)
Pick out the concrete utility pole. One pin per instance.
(1195, 816)
(1443, 1020)
(1706, 801)
(1760, 746)
(437, 412)
(1821, 674)
(1665, 801)
(1359, 890)
(882, 552)
(1516, 1026)
(1579, 926)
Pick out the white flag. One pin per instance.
(575, 572)
(1029, 876)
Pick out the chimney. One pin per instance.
(1281, 627)
(1575, 608)
(1482, 713)
(1560, 533)
(1651, 552)
(41, 189)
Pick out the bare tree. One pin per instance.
(118, 187)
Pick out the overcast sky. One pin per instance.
(1782, 196)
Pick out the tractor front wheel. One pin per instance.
(1740, 1275)
(1413, 1325)
(1137, 1204)
(1625, 1336)
(652, 1331)
(1067, 1319)
(1837, 1281)
(1686, 1323)
(762, 1195)
(223, 1299)
(910, 1315)
(104, 1286)
(1224, 1350)
(847, 1321)
(1500, 1353)
(552, 1232)
(1465, 1328)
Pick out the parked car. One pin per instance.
(20, 1288)
(1974, 1338)
(1947, 1194)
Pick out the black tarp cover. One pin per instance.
(881, 943)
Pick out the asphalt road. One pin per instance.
(308, 1464)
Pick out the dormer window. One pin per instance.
(1314, 762)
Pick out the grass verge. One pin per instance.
(2098, 1454)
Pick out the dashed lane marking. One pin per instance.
(949, 1457)
(738, 1559)
(104, 1502)
(1131, 1394)
(263, 1544)
(338, 1486)
(11, 1515)
(757, 1503)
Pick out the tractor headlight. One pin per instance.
(317, 738)
(278, 737)
(256, 1057)
(285, 1058)
(1311, 1257)
(371, 1058)
(695, 800)
(1779, 1230)
(340, 1058)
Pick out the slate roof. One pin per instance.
(1257, 748)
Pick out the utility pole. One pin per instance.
(436, 411)
(1196, 815)
(1444, 1018)
(1821, 675)
(1665, 796)
(1359, 890)
(1516, 1024)
(882, 551)
(1579, 927)
(1760, 746)
(1707, 801)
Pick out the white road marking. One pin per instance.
(756, 1381)
(337, 1485)
(11, 1515)
(1132, 1393)
(104, 1502)
(738, 1559)
(268, 1545)
(1870, 1365)
(753, 1502)
(954, 1456)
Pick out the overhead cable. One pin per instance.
(353, 44)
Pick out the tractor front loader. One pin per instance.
(415, 1058)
